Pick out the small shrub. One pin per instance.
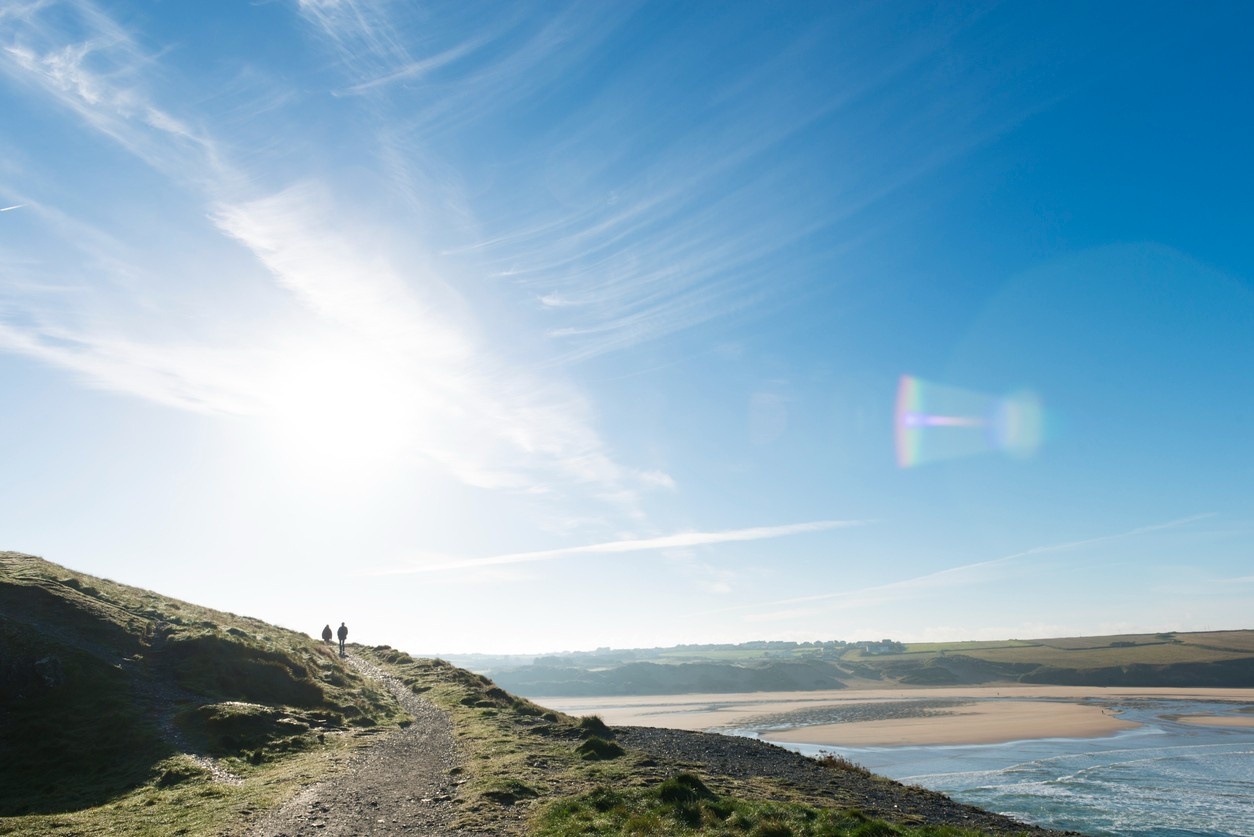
(245, 729)
(598, 749)
(593, 725)
(684, 805)
(213, 665)
(835, 761)
(509, 791)
(180, 770)
(526, 707)
(603, 800)
(683, 788)
(391, 655)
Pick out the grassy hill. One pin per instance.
(106, 690)
(125, 712)
(1212, 659)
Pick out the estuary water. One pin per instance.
(1163, 779)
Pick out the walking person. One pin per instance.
(326, 634)
(342, 633)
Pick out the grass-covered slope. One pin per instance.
(1216, 659)
(108, 690)
(650, 678)
(529, 770)
(124, 712)
(1219, 659)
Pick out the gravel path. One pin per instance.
(404, 783)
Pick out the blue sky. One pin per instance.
(529, 327)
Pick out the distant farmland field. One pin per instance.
(1212, 659)
(1160, 654)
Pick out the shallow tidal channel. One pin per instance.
(1162, 779)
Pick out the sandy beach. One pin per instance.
(983, 722)
(895, 717)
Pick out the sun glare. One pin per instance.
(342, 409)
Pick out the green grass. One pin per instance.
(525, 765)
(1063, 654)
(105, 689)
(721, 655)
(515, 751)
(966, 647)
(74, 744)
(122, 708)
(181, 798)
(1100, 657)
(1169, 658)
(742, 656)
(1241, 642)
(596, 748)
(684, 805)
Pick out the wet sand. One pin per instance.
(985, 722)
(887, 717)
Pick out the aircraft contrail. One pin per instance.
(939, 578)
(9, 208)
(684, 539)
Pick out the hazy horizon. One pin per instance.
(506, 328)
(903, 640)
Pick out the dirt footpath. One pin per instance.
(402, 784)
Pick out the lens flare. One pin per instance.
(935, 422)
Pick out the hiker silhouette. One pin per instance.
(326, 634)
(342, 633)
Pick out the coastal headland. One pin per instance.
(128, 712)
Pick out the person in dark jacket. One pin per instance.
(342, 633)
(326, 634)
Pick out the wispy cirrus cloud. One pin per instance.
(643, 226)
(185, 377)
(455, 64)
(76, 54)
(626, 262)
(361, 324)
(615, 226)
(682, 540)
(960, 576)
(89, 319)
(491, 424)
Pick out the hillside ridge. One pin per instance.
(127, 712)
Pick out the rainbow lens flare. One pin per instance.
(935, 422)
